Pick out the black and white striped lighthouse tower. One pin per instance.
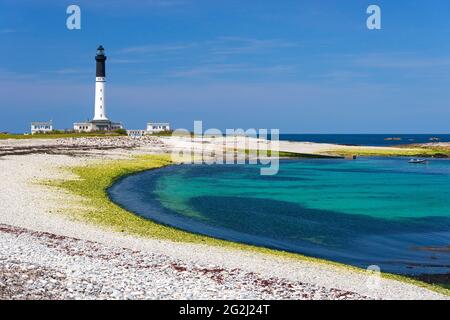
(100, 121)
(100, 79)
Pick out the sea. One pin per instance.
(368, 139)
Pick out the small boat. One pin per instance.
(418, 161)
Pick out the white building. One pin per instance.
(136, 133)
(41, 127)
(155, 127)
(93, 125)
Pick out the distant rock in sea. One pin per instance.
(393, 139)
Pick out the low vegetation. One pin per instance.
(280, 154)
(92, 185)
(96, 207)
(166, 133)
(416, 151)
(425, 152)
(62, 134)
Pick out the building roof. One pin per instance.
(42, 123)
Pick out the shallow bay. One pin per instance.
(380, 211)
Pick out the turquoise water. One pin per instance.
(369, 211)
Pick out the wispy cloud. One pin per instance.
(221, 45)
(222, 56)
(161, 48)
(401, 61)
(69, 71)
(164, 3)
(41, 76)
(343, 75)
(15, 76)
(239, 45)
(104, 5)
(7, 30)
(224, 69)
(123, 61)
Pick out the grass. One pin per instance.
(166, 133)
(92, 185)
(97, 208)
(4, 136)
(393, 152)
(280, 154)
(406, 151)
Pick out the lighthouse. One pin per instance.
(100, 80)
(100, 122)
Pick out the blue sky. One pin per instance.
(300, 66)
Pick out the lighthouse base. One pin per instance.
(97, 125)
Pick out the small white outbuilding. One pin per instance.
(41, 127)
(154, 127)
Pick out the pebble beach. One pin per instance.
(47, 254)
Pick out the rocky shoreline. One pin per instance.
(73, 146)
(46, 254)
(41, 265)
